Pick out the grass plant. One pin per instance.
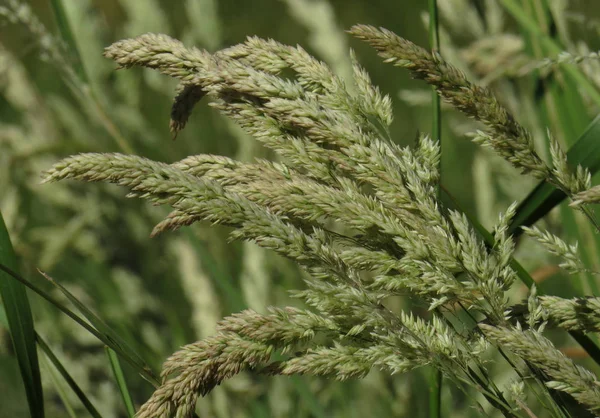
(380, 270)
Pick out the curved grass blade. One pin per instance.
(143, 369)
(586, 151)
(67, 377)
(59, 386)
(20, 325)
(121, 383)
(111, 338)
(82, 83)
(50, 299)
(67, 35)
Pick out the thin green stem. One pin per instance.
(120, 379)
(66, 33)
(436, 377)
(434, 43)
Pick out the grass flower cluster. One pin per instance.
(360, 214)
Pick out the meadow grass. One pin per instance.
(396, 275)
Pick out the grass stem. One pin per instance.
(435, 379)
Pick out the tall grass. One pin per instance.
(156, 296)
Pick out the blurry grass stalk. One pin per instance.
(80, 82)
(115, 365)
(58, 385)
(530, 25)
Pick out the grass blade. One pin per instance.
(83, 82)
(586, 152)
(58, 385)
(20, 322)
(66, 33)
(67, 377)
(117, 342)
(50, 299)
(143, 369)
(121, 383)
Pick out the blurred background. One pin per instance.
(59, 96)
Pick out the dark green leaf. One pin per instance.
(20, 324)
(544, 197)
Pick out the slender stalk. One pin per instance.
(120, 379)
(434, 43)
(435, 379)
(66, 33)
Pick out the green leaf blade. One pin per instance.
(108, 335)
(67, 35)
(542, 199)
(20, 322)
(68, 378)
(121, 383)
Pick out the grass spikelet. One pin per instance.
(506, 136)
(566, 376)
(361, 215)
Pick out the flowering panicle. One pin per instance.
(359, 213)
(503, 134)
(565, 375)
